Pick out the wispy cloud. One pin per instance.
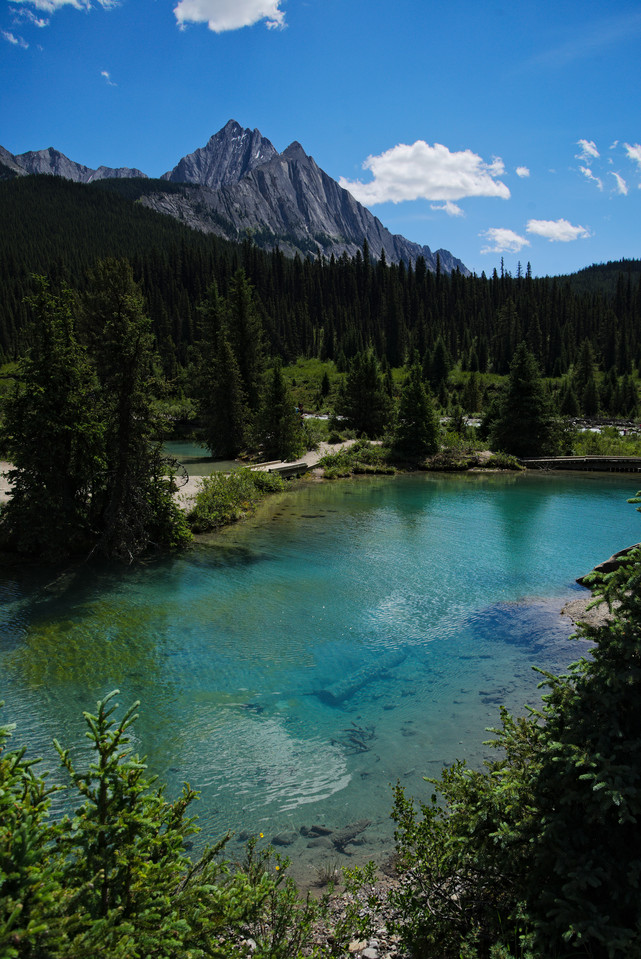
(452, 209)
(420, 171)
(589, 175)
(223, 15)
(522, 171)
(557, 231)
(50, 6)
(107, 76)
(634, 153)
(502, 240)
(622, 186)
(13, 39)
(588, 150)
(23, 13)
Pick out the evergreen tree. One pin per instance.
(280, 428)
(54, 436)
(440, 365)
(417, 425)
(524, 425)
(472, 401)
(363, 401)
(136, 507)
(246, 337)
(222, 402)
(569, 405)
(584, 369)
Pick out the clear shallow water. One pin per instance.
(196, 458)
(350, 635)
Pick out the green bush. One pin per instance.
(540, 853)
(113, 880)
(225, 497)
(361, 457)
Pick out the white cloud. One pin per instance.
(502, 240)
(622, 186)
(634, 152)
(588, 150)
(522, 171)
(50, 6)
(28, 15)
(13, 39)
(589, 175)
(452, 209)
(557, 231)
(222, 15)
(107, 76)
(421, 171)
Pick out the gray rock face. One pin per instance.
(285, 200)
(228, 156)
(9, 161)
(53, 162)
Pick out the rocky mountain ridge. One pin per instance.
(238, 185)
(53, 162)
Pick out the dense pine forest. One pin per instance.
(330, 310)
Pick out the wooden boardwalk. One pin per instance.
(599, 464)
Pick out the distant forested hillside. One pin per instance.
(308, 307)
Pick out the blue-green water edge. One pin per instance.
(350, 635)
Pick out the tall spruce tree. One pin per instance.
(280, 431)
(222, 402)
(246, 337)
(417, 425)
(53, 434)
(363, 401)
(135, 507)
(524, 425)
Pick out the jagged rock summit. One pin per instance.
(238, 185)
(228, 156)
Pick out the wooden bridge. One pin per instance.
(599, 464)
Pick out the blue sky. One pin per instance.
(491, 129)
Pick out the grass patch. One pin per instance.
(225, 498)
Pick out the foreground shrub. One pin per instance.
(541, 851)
(361, 457)
(225, 497)
(114, 880)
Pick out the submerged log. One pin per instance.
(345, 688)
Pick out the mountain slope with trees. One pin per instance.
(330, 309)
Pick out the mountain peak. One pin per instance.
(295, 152)
(228, 156)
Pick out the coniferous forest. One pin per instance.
(330, 310)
